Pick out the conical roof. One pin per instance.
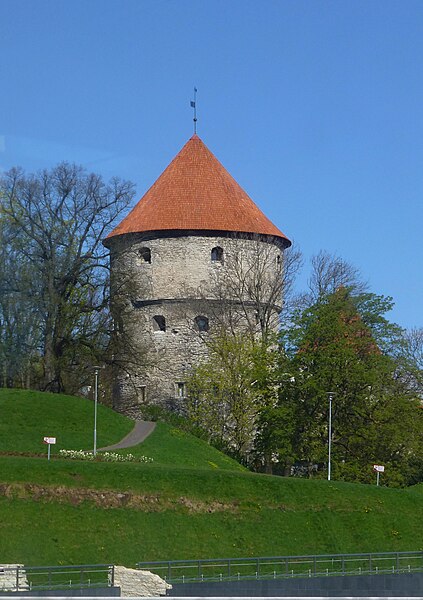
(195, 192)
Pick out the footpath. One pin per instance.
(141, 430)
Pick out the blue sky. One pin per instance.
(315, 107)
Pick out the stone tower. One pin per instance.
(194, 254)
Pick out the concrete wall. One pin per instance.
(404, 585)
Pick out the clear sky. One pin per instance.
(315, 107)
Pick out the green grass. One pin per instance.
(251, 515)
(191, 502)
(168, 445)
(27, 416)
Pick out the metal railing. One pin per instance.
(20, 579)
(277, 567)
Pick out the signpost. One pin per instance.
(379, 469)
(330, 396)
(49, 440)
(96, 372)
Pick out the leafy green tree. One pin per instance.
(337, 346)
(273, 448)
(228, 392)
(222, 399)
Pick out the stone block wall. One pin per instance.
(8, 578)
(137, 583)
(175, 279)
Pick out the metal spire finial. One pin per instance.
(194, 106)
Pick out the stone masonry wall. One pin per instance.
(180, 283)
(8, 578)
(137, 583)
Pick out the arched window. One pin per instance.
(159, 323)
(217, 254)
(202, 323)
(279, 261)
(145, 255)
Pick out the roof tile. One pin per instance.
(196, 192)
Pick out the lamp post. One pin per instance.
(96, 370)
(330, 395)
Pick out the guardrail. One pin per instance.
(20, 579)
(277, 567)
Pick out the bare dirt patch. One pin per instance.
(111, 499)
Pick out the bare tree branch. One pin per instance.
(53, 223)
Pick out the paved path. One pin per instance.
(141, 430)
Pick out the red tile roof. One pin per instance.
(195, 192)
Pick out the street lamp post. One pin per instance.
(330, 394)
(96, 370)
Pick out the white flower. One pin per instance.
(103, 456)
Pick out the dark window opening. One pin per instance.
(217, 254)
(159, 323)
(180, 389)
(145, 255)
(279, 261)
(142, 397)
(202, 323)
(118, 325)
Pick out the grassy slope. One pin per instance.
(170, 446)
(28, 416)
(250, 514)
(264, 515)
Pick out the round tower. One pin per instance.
(194, 255)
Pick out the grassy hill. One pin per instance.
(190, 502)
(28, 416)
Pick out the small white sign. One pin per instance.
(379, 468)
(49, 440)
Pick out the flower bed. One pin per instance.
(103, 456)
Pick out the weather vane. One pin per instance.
(194, 106)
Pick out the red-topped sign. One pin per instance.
(49, 440)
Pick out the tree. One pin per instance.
(414, 346)
(221, 397)
(409, 355)
(328, 273)
(375, 418)
(273, 443)
(228, 391)
(251, 289)
(19, 331)
(53, 223)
